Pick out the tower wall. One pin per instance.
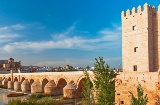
(158, 16)
(128, 82)
(138, 31)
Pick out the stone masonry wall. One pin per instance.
(127, 81)
(158, 36)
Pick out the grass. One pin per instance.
(45, 101)
(42, 99)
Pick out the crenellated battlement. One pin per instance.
(159, 9)
(139, 9)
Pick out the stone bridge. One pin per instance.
(52, 83)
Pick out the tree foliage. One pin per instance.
(104, 83)
(88, 98)
(141, 99)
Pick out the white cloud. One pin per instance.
(6, 36)
(8, 48)
(111, 35)
(107, 38)
(11, 28)
(17, 27)
(64, 34)
(7, 33)
(65, 43)
(3, 29)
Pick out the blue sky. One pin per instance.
(57, 33)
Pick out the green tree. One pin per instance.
(88, 97)
(104, 83)
(141, 99)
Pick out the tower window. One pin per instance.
(122, 102)
(135, 49)
(134, 27)
(135, 68)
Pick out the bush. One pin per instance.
(141, 98)
(36, 96)
(61, 98)
(39, 95)
(1, 86)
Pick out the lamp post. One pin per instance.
(75, 89)
(119, 67)
(11, 75)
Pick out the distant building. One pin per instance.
(9, 64)
(92, 68)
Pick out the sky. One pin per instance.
(59, 33)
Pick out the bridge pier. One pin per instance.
(10, 84)
(5, 83)
(1, 81)
(69, 91)
(25, 86)
(36, 87)
(17, 85)
(50, 88)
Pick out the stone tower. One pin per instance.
(140, 55)
(141, 39)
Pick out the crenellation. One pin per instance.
(133, 10)
(139, 9)
(128, 12)
(123, 14)
(146, 5)
(154, 9)
(159, 9)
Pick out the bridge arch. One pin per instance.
(44, 82)
(4, 76)
(9, 78)
(80, 86)
(61, 83)
(22, 79)
(81, 77)
(31, 81)
(15, 79)
(44, 78)
(61, 77)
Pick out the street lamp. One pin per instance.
(119, 67)
(75, 89)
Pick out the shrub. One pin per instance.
(1, 86)
(141, 98)
(36, 96)
(39, 95)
